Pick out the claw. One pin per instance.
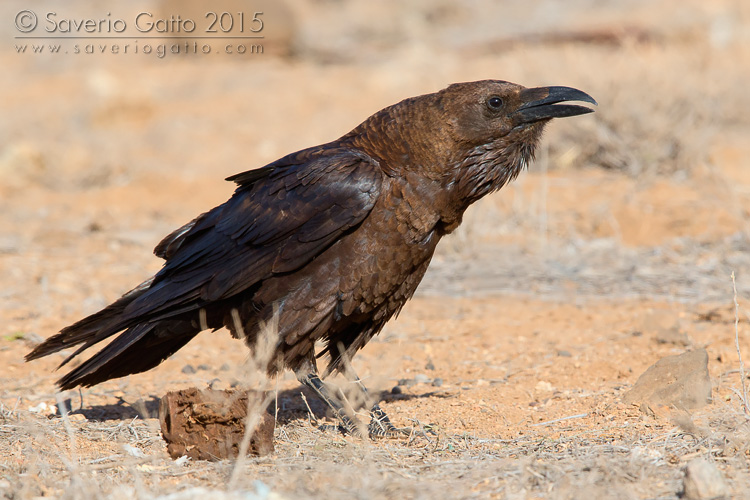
(378, 431)
(381, 427)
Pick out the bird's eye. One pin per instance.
(495, 102)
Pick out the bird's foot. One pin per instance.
(377, 430)
(347, 425)
(380, 426)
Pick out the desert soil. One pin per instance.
(614, 250)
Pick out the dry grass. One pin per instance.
(612, 451)
(640, 458)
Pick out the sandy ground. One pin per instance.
(613, 251)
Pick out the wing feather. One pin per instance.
(277, 221)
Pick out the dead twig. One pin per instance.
(745, 406)
(310, 414)
(550, 422)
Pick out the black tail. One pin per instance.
(91, 329)
(143, 345)
(135, 350)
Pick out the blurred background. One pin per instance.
(102, 154)
(616, 245)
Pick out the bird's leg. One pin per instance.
(349, 423)
(380, 425)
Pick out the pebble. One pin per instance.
(43, 409)
(204, 367)
(133, 451)
(429, 365)
(544, 386)
(421, 378)
(437, 382)
(681, 380)
(188, 369)
(703, 481)
(396, 390)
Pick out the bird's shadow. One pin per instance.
(121, 410)
(292, 406)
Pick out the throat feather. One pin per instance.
(487, 168)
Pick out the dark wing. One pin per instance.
(169, 245)
(280, 218)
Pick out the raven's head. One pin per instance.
(469, 139)
(495, 127)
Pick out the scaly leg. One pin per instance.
(380, 425)
(345, 414)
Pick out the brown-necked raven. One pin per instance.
(334, 239)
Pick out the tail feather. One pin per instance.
(91, 329)
(106, 356)
(135, 350)
(142, 345)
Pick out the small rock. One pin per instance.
(397, 390)
(429, 365)
(133, 451)
(421, 378)
(42, 408)
(544, 386)
(564, 354)
(188, 369)
(681, 381)
(703, 481)
(203, 367)
(225, 367)
(437, 382)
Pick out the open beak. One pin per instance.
(542, 103)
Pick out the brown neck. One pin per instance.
(404, 138)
